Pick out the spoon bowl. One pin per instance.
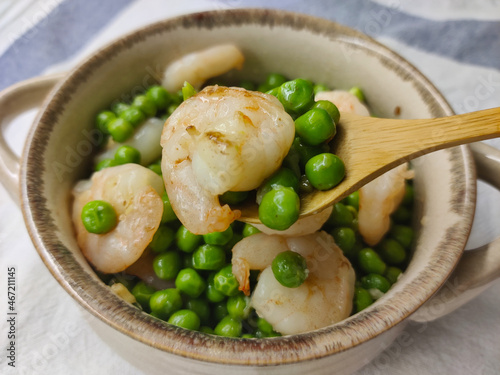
(370, 146)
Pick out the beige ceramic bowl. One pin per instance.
(61, 140)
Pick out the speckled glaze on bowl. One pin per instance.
(57, 155)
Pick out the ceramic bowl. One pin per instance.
(59, 145)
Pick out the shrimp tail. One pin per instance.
(215, 224)
(241, 270)
(187, 196)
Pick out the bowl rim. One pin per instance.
(149, 330)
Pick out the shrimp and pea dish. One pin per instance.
(158, 218)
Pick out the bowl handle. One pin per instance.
(477, 268)
(14, 100)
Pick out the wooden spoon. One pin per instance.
(371, 146)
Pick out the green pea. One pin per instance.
(146, 105)
(370, 261)
(98, 217)
(283, 177)
(225, 282)
(402, 215)
(249, 229)
(264, 87)
(212, 294)
(356, 91)
(103, 118)
(320, 88)
(305, 185)
(375, 281)
(237, 237)
(229, 327)
(403, 234)
(220, 311)
(105, 163)
(248, 336)
(345, 238)
(156, 169)
(261, 334)
(142, 293)
(168, 212)
(247, 85)
(186, 319)
(273, 92)
(159, 96)
(392, 251)
(120, 129)
(187, 241)
(206, 329)
(177, 97)
(219, 238)
(392, 274)
(279, 208)
(238, 306)
(190, 282)
(133, 115)
(331, 108)
(264, 326)
(362, 299)
(167, 265)
(127, 154)
(409, 195)
(306, 152)
(341, 216)
(315, 126)
(171, 108)
(187, 260)
(290, 269)
(162, 239)
(119, 107)
(275, 80)
(201, 307)
(352, 200)
(292, 160)
(164, 303)
(325, 171)
(233, 197)
(296, 95)
(209, 257)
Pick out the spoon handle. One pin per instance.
(372, 145)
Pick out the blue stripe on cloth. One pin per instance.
(468, 41)
(66, 29)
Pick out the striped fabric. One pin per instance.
(456, 43)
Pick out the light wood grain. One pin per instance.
(371, 146)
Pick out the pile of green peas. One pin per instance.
(379, 267)
(204, 293)
(309, 163)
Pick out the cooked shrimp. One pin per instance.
(345, 101)
(135, 194)
(145, 140)
(377, 200)
(324, 298)
(303, 226)
(221, 139)
(199, 66)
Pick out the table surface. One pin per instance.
(455, 43)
